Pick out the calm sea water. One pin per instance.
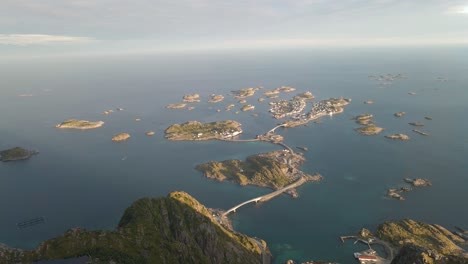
(81, 178)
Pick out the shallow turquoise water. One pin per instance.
(80, 178)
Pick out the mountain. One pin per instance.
(174, 229)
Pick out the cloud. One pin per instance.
(40, 39)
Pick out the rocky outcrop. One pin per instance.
(418, 182)
(16, 153)
(120, 137)
(398, 136)
(419, 255)
(175, 229)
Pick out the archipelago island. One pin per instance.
(16, 153)
(79, 124)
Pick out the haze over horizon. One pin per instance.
(52, 27)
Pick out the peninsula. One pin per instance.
(79, 124)
(274, 170)
(16, 153)
(194, 130)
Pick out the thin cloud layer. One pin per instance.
(39, 39)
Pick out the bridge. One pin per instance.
(276, 127)
(269, 196)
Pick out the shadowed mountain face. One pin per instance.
(175, 229)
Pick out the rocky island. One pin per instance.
(418, 182)
(420, 132)
(16, 153)
(216, 98)
(274, 170)
(369, 130)
(174, 229)
(120, 137)
(245, 92)
(229, 107)
(79, 124)
(398, 136)
(247, 108)
(419, 242)
(364, 119)
(175, 106)
(416, 124)
(191, 98)
(194, 130)
(399, 114)
(304, 96)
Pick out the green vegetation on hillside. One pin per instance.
(261, 170)
(176, 229)
(433, 237)
(16, 153)
(194, 130)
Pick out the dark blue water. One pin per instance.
(81, 178)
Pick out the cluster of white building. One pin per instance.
(283, 108)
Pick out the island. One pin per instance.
(16, 153)
(194, 130)
(304, 96)
(418, 182)
(364, 119)
(79, 124)
(173, 229)
(261, 99)
(369, 102)
(369, 130)
(419, 242)
(416, 124)
(120, 137)
(247, 108)
(274, 170)
(398, 136)
(245, 92)
(216, 98)
(191, 98)
(242, 101)
(428, 118)
(229, 107)
(175, 106)
(420, 132)
(150, 133)
(272, 92)
(399, 114)
(409, 241)
(283, 108)
(319, 109)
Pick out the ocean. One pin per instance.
(82, 178)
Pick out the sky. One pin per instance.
(54, 27)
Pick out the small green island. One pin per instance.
(79, 124)
(194, 130)
(369, 130)
(274, 170)
(16, 153)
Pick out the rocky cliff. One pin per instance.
(175, 229)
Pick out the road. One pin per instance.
(269, 196)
